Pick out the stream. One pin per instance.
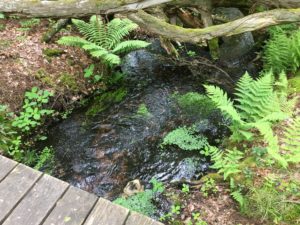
(101, 153)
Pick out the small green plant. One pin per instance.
(89, 74)
(142, 201)
(33, 111)
(6, 129)
(27, 25)
(226, 162)
(15, 150)
(185, 189)
(191, 53)
(197, 220)
(46, 156)
(2, 16)
(208, 187)
(143, 110)
(174, 212)
(104, 41)
(185, 138)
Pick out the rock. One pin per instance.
(236, 46)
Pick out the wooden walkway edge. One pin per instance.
(29, 197)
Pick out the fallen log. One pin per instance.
(248, 23)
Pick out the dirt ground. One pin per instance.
(24, 64)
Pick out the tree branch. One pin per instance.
(78, 8)
(248, 23)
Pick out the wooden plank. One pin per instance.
(38, 202)
(72, 209)
(14, 187)
(107, 213)
(138, 219)
(6, 165)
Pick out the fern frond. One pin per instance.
(282, 51)
(108, 58)
(291, 141)
(117, 29)
(72, 41)
(127, 46)
(273, 148)
(93, 31)
(256, 98)
(220, 98)
(238, 197)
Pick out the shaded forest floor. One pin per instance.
(26, 62)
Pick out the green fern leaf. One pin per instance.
(127, 46)
(219, 97)
(237, 196)
(72, 41)
(291, 141)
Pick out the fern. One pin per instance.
(238, 196)
(104, 41)
(186, 139)
(291, 141)
(282, 52)
(258, 107)
(226, 162)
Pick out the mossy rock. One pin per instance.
(105, 100)
(52, 52)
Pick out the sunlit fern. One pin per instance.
(258, 107)
(282, 51)
(291, 141)
(104, 41)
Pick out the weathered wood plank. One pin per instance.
(38, 202)
(72, 208)
(14, 187)
(6, 165)
(138, 219)
(105, 213)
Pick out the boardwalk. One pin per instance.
(29, 197)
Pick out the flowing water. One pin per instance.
(102, 153)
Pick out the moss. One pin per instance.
(294, 84)
(4, 44)
(44, 77)
(2, 27)
(105, 100)
(69, 81)
(195, 104)
(51, 52)
(214, 48)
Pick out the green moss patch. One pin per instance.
(105, 100)
(52, 52)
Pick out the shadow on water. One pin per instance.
(101, 154)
